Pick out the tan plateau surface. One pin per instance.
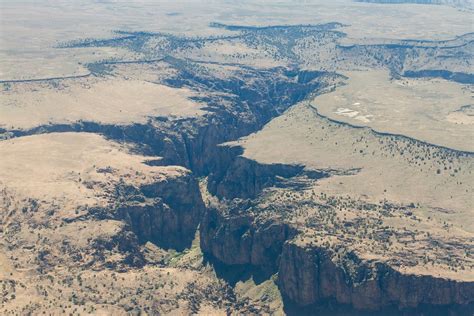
(425, 109)
(72, 169)
(113, 101)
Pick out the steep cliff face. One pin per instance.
(311, 275)
(245, 178)
(166, 213)
(241, 240)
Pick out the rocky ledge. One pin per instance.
(311, 275)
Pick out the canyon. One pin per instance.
(272, 169)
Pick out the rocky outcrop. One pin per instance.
(166, 213)
(241, 240)
(311, 275)
(246, 178)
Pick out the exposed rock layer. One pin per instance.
(308, 275)
(169, 213)
(241, 240)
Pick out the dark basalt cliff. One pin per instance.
(245, 178)
(235, 239)
(310, 275)
(165, 213)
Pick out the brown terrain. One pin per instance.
(301, 158)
